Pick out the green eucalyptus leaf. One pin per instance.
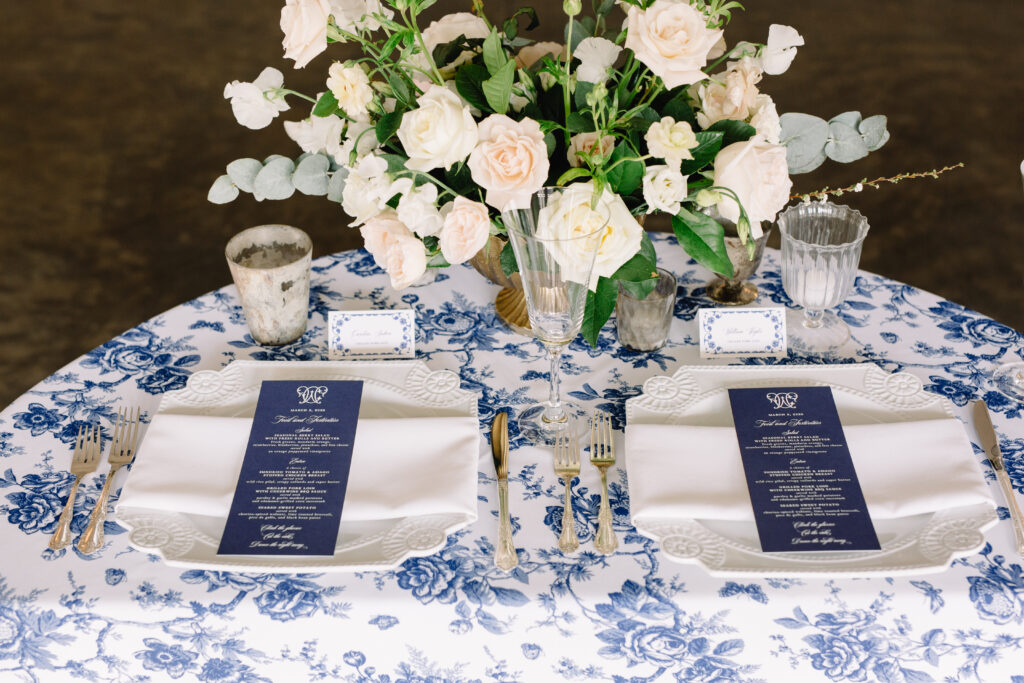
(469, 82)
(310, 175)
(703, 239)
(600, 304)
(845, 143)
(275, 180)
(274, 157)
(388, 125)
(222, 191)
(873, 130)
(805, 137)
(509, 265)
(326, 105)
(850, 118)
(336, 185)
(243, 173)
(498, 88)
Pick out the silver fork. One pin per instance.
(122, 450)
(84, 460)
(602, 456)
(567, 466)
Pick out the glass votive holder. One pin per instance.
(270, 266)
(643, 324)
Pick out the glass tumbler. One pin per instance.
(643, 324)
(821, 245)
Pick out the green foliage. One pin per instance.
(388, 125)
(810, 140)
(624, 176)
(327, 105)
(708, 145)
(222, 191)
(600, 304)
(733, 131)
(469, 82)
(509, 265)
(511, 26)
(498, 88)
(703, 238)
(310, 176)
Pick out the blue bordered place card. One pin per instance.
(371, 334)
(728, 332)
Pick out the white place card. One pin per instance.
(371, 334)
(728, 332)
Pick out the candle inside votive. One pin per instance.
(818, 289)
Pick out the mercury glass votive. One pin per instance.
(643, 324)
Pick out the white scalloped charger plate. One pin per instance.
(390, 389)
(864, 394)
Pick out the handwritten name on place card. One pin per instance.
(371, 334)
(728, 332)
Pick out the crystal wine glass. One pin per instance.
(555, 239)
(821, 244)
(1009, 377)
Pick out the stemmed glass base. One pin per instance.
(815, 332)
(538, 430)
(1009, 379)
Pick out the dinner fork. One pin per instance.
(122, 450)
(567, 466)
(84, 460)
(602, 456)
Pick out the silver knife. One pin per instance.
(505, 552)
(990, 442)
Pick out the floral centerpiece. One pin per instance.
(427, 136)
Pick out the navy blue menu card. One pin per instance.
(801, 479)
(291, 487)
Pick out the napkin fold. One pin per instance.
(904, 469)
(400, 467)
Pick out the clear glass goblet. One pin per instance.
(1009, 377)
(555, 240)
(821, 244)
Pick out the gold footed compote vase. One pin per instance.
(555, 237)
(511, 301)
(736, 290)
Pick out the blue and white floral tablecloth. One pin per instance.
(123, 615)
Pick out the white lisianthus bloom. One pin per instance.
(588, 142)
(671, 140)
(440, 132)
(394, 248)
(664, 189)
(304, 23)
(733, 97)
(570, 218)
(765, 119)
(319, 134)
(465, 231)
(256, 104)
(672, 39)
(780, 51)
(596, 56)
(351, 87)
(511, 160)
(445, 30)
(417, 208)
(354, 16)
(757, 172)
(367, 189)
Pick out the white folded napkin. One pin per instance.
(904, 468)
(400, 467)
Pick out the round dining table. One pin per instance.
(637, 614)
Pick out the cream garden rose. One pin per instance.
(570, 218)
(258, 103)
(664, 189)
(511, 160)
(465, 230)
(588, 143)
(351, 87)
(304, 23)
(671, 140)
(757, 172)
(672, 39)
(440, 132)
(732, 96)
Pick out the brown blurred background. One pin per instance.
(113, 127)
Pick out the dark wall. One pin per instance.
(113, 126)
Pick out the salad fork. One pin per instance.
(122, 450)
(567, 466)
(84, 460)
(602, 456)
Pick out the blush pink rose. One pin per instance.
(672, 39)
(511, 160)
(395, 248)
(465, 230)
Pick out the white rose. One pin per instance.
(780, 51)
(596, 56)
(664, 189)
(531, 54)
(304, 23)
(671, 140)
(588, 142)
(417, 208)
(570, 219)
(765, 119)
(395, 249)
(733, 97)
(445, 30)
(256, 104)
(319, 134)
(757, 172)
(354, 16)
(511, 160)
(672, 39)
(440, 132)
(465, 231)
(367, 189)
(351, 87)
